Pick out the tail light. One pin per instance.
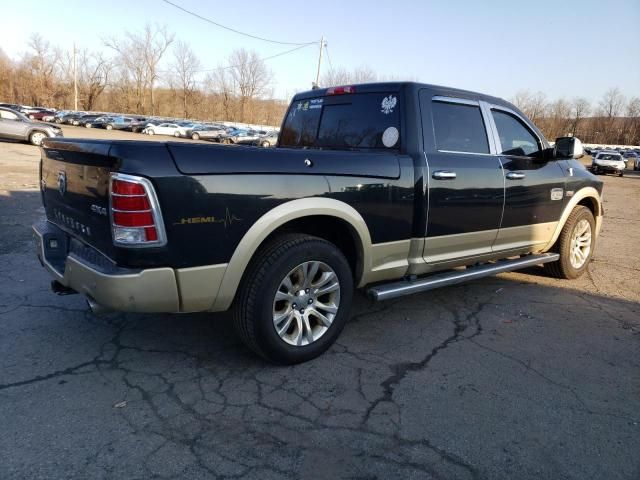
(136, 220)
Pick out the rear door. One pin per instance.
(534, 194)
(12, 126)
(465, 180)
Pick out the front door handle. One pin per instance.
(515, 175)
(444, 175)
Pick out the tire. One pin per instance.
(109, 126)
(36, 137)
(256, 306)
(150, 132)
(565, 245)
(621, 174)
(176, 134)
(266, 144)
(195, 136)
(87, 125)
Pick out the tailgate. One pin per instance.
(75, 189)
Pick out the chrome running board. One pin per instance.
(406, 287)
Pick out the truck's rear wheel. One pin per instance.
(294, 299)
(575, 245)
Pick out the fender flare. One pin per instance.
(585, 192)
(275, 218)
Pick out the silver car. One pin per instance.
(15, 126)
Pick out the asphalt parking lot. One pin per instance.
(517, 376)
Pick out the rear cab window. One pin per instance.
(356, 121)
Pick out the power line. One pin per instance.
(326, 49)
(227, 67)
(208, 20)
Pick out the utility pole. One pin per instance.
(317, 84)
(75, 79)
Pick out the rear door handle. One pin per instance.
(444, 175)
(515, 175)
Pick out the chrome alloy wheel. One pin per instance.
(306, 303)
(580, 244)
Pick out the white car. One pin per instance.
(165, 129)
(608, 162)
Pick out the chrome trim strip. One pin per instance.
(155, 210)
(130, 211)
(123, 195)
(404, 287)
(463, 101)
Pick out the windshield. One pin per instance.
(608, 156)
(353, 121)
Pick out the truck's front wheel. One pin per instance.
(575, 245)
(294, 299)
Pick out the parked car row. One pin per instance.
(602, 159)
(215, 132)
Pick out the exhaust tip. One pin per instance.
(96, 308)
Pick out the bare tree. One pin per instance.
(341, 76)
(580, 108)
(140, 55)
(611, 107)
(41, 60)
(612, 102)
(93, 76)
(186, 65)
(250, 77)
(222, 84)
(532, 104)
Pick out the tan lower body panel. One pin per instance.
(388, 260)
(199, 286)
(152, 290)
(449, 247)
(524, 236)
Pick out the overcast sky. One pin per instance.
(562, 48)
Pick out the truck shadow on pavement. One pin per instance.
(504, 377)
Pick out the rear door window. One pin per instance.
(459, 128)
(344, 122)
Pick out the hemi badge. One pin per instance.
(557, 193)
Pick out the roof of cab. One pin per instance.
(397, 86)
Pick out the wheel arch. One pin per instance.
(286, 217)
(587, 197)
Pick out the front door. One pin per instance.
(534, 195)
(465, 184)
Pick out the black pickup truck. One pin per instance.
(393, 187)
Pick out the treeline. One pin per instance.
(148, 73)
(614, 120)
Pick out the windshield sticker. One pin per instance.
(388, 104)
(317, 101)
(390, 137)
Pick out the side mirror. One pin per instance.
(568, 147)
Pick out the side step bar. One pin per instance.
(406, 287)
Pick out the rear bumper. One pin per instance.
(88, 272)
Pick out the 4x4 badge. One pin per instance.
(62, 183)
